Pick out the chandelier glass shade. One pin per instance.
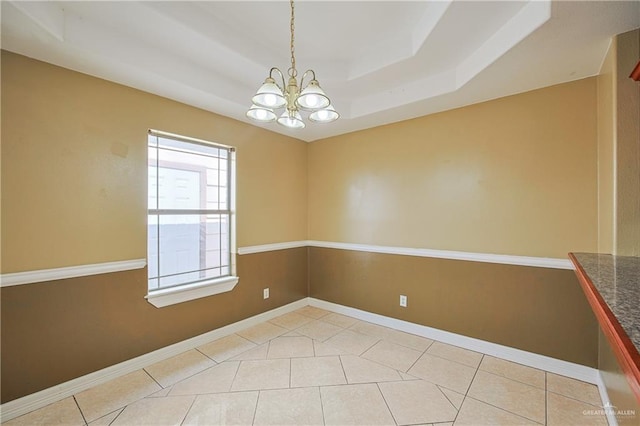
(292, 97)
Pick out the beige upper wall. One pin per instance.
(74, 170)
(627, 146)
(606, 148)
(619, 148)
(516, 175)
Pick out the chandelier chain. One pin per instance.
(292, 71)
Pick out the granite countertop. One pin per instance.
(617, 279)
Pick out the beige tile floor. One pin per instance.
(314, 367)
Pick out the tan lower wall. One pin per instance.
(620, 394)
(59, 330)
(534, 309)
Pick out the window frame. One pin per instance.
(208, 286)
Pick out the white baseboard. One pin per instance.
(40, 399)
(530, 359)
(606, 402)
(553, 365)
(48, 396)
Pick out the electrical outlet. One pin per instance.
(403, 300)
(265, 293)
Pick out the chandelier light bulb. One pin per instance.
(322, 115)
(270, 99)
(269, 95)
(312, 97)
(326, 115)
(260, 114)
(313, 101)
(291, 120)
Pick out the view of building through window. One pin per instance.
(189, 211)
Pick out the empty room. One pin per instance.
(320, 212)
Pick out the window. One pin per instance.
(190, 218)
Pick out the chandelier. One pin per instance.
(293, 98)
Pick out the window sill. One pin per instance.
(172, 296)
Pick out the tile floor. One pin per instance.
(314, 367)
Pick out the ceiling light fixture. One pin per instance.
(270, 96)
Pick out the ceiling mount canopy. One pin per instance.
(291, 96)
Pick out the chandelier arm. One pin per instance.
(281, 76)
(304, 75)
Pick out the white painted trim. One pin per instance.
(543, 262)
(604, 57)
(184, 293)
(29, 277)
(272, 247)
(506, 259)
(50, 395)
(606, 402)
(564, 368)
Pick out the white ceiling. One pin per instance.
(379, 61)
